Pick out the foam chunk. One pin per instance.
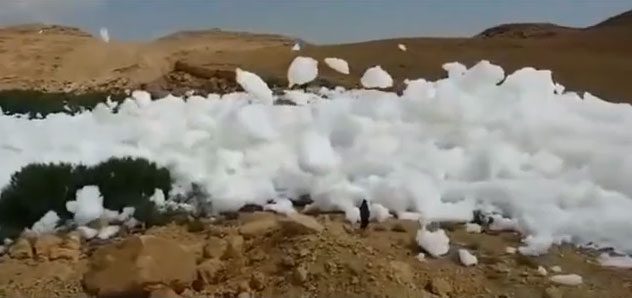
(338, 65)
(467, 258)
(376, 77)
(302, 70)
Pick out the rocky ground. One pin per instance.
(267, 255)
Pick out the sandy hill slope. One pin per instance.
(597, 59)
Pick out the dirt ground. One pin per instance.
(597, 59)
(344, 261)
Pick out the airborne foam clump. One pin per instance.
(254, 85)
(402, 47)
(302, 70)
(338, 65)
(376, 77)
(105, 35)
(552, 166)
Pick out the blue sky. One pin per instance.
(320, 21)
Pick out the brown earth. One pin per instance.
(271, 259)
(596, 59)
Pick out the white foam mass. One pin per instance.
(302, 70)
(254, 85)
(296, 47)
(467, 258)
(88, 206)
(607, 260)
(436, 243)
(376, 77)
(402, 47)
(556, 166)
(567, 279)
(338, 65)
(46, 224)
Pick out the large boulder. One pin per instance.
(138, 265)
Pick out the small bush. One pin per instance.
(38, 188)
(31, 102)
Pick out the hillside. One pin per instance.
(597, 59)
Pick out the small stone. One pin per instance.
(235, 247)
(21, 249)
(303, 252)
(208, 271)
(355, 280)
(258, 281)
(215, 248)
(164, 293)
(553, 292)
(243, 286)
(300, 274)
(542, 271)
(287, 261)
(439, 286)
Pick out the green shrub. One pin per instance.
(38, 188)
(31, 102)
(32, 192)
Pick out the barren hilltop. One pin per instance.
(597, 59)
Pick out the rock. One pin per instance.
(300, 224)
(208, 271)
(21, 249)
(300, 274)
(44, 244)
(164, 293)
(57, 253)
(234, 247)
(258, 281)
(287, 261)
(552, 292)
(439, 286)
(129, 267)
(215, 248)
(259, 227)
(542, 271)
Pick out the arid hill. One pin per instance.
(597, 59)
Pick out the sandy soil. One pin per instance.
(342, 261)
(596, 59)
